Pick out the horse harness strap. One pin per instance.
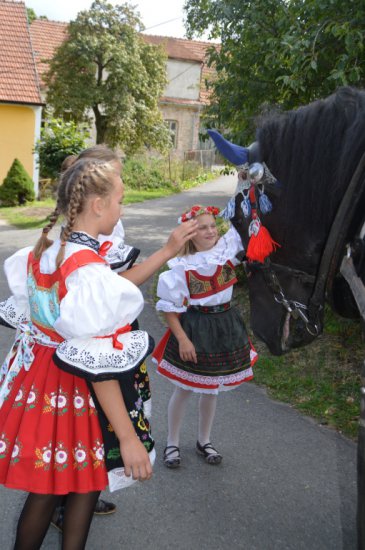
(337, 236)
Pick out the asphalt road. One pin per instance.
(285, 483)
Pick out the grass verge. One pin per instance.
(35, 215)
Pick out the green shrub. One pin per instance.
(148, 172)
(145, 173)
(17, 187)
(59, 139)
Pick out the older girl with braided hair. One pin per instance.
(120, 257)
(75, 355)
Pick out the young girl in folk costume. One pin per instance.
(74, 352)
(120, 257)
(206, 349)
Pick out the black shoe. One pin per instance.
(210, 454)
(168, 460)
(103, 508)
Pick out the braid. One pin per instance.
(76, 200)
(44, 242)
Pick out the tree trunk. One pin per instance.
(100, 125)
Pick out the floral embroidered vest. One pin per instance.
(201, 286)
(47, 290)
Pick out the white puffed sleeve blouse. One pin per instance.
(98, 300)
(172, 288)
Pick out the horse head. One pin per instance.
(315, 154)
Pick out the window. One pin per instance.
(172, 126)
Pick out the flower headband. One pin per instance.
(198, 210)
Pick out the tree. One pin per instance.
(280, 53)
(31, 14)
(106, 67)
(59, 139)
(17, 187)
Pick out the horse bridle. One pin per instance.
(333, 250)
(296, 309)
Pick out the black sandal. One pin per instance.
(210, 454)
(168, 460)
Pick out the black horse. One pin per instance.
(317, 155)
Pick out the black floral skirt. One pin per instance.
(224, 352)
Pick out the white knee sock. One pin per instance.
(207, 406)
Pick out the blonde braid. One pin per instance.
(44, 242)
(74, 208)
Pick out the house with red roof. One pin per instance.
(20, 97)
(185, 95)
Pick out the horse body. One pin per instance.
(313, 152)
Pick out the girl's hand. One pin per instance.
(187, 350)
(179, 236)
(135, 458)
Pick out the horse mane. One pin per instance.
(314, 151)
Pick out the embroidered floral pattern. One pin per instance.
(19, 399)
(80, 456)
(4, 446)
(56, 403)
(97, 454)
(32, 399)
(44, 456)
(61, 456)
(79, 403)
(16, 452)
(92, 408)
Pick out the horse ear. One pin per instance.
(236, 154)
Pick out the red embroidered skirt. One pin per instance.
(50, 437)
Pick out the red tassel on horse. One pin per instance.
(261, 245)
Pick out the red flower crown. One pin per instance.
(198, 210)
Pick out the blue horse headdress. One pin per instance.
(252, 175)
(236, 154)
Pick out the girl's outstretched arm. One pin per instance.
(138, 274)
(135, 457)
(186, 347)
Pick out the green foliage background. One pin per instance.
(277, 53)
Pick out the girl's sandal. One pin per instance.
(210, 454)
(168, 460)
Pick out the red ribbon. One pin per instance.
(122, 330)
(116, 343)
(103, 249)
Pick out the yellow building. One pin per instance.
(20, 99)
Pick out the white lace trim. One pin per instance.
(226, 249)
(98, 356)
(118, 480)
(12, 313)
(168, 307)
(201, 380)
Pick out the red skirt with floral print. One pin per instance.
(50, 437)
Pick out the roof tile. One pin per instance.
(48, 35)
(18, 73)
